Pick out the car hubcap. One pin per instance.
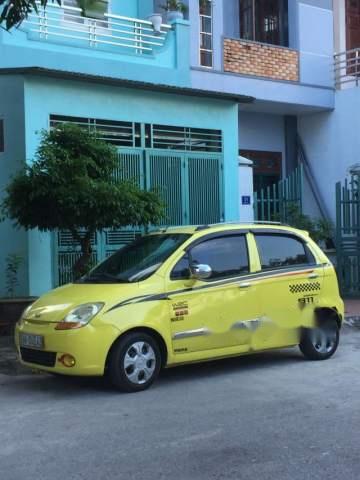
(324, 339)
(139, 363)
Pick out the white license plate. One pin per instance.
(31, 341)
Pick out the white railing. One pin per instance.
(347, 68)
(117, 33)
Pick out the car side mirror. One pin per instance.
(200, 271)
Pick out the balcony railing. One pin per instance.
(65, 25)
(347, 68)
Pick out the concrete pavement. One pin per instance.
(352, 312)
(268, 416)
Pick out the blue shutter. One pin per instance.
(205, 189)
(165, 173)
(130, 167)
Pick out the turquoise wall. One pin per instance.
(128, 8)
(132, 8)
(167, 64)
(46, 96)
(12, 240)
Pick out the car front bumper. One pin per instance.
(89, 346)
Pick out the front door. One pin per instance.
(352, 36)
(291, 286)
(215, 314)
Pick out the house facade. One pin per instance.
(181, 102)
(333, 136)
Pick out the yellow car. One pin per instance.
(184, 295)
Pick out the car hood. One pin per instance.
(55, 305)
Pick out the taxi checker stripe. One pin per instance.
(220, 283)
(304, 287)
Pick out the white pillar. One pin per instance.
(246, 190)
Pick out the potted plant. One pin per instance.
(156, 20)
(93, 8)
(174, 10)
(11, 306)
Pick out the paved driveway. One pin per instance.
(272, 416)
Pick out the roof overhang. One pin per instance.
(153, 87)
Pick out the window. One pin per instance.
(227, 257)
(183, 138)
(264, 21)
(136, 261)
(181, 270)
(281, 251)
(121, 134)
(352, 24)
(247, 19)
(129, 134)
(2, 139)
(206, 33)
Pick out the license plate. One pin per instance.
(32, 341)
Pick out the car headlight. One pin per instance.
(80, 316)
(24, 315)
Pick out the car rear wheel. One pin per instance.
(134, 362)
(321, 343)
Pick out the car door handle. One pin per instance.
(245, 285)
(313, 275)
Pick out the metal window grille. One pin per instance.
(184, 138)
(206, 33)
(121, 134)
(167, 137)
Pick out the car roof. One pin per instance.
(224, 227)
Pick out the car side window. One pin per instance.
(227, 256)
(181, 271)
(281, 251)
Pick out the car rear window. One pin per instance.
(281, 251)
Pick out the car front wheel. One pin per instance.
(134, 362)
(321, 343)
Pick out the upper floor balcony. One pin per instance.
(278, 51)
(347, 69)
(110, 44)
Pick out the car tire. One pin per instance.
(321, 342)
(134, 362)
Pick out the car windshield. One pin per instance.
(136, 261)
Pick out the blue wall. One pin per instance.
(264, 132)
(332, 142)
(310, 32)
(12, 241)
(46, 96)
(316, 42)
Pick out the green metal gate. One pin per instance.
(272, 203)
(191, 185)
(348, 235)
